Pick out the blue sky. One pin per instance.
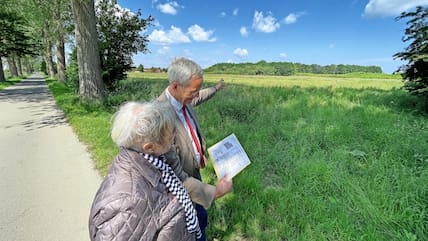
(361, 32)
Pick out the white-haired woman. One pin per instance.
(140, 197)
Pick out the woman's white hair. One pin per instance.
(136, 123)
(182, 70)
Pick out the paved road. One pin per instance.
(47, 180)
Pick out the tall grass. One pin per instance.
(332, 158)
(328, 164)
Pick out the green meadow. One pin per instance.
(334, 157)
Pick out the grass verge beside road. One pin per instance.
(9, 82)
(332, 158)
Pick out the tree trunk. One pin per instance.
(31, 67)
(19, 66)
(2, 78)
(59, 35)
(60, 56)
(27, 65)
(48, 59)
(12, 66)
(88, 57)
(48, 50)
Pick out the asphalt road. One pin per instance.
(47, 178)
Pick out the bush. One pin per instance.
(140, 68)
(72, 72)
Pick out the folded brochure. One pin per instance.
(228, 156)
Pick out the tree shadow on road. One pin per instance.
(26, 91)
(36, 99)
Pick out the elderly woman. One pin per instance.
(141, 198)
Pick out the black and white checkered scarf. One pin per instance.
(175, 186)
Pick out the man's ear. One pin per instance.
(175, 85)
(148, 148)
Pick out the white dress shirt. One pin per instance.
(178, 107)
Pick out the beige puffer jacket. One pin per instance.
(133, 204)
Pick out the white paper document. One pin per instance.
(228, 157)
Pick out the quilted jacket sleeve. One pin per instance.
(113, 221)
(173, 225)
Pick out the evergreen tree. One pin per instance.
(14, 40)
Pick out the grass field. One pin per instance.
(333, 157)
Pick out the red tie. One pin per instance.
(195, 138)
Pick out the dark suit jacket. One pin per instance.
(182, 157)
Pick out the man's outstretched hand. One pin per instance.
(220, 84)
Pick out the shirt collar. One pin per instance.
(174, 102)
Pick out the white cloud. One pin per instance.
(235, 12)
(168, 8)
(292, 17)
(240, 53)
(199, 34)
(119, 11)
(283, 55)
(223, 14)
(266, 24)
(164, 50)
(243, 31)
(174, 35)
(383, 8)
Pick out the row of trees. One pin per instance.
(104, 38)
(32, 29)
(16, 44)
(288, 68)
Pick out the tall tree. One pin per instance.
(415, 72)
(62, 22)
(88, 58)
(50, 22)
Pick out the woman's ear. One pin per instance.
(148, 148)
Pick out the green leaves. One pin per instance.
(13, 35)
(119, 39)
(415, 72)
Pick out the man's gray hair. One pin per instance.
(182, 70)
(136, 123)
